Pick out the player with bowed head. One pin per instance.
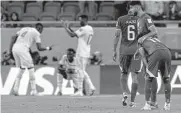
(20, 48)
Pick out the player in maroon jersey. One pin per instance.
(127, 27)
(153, 58)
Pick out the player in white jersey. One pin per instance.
(84, 35)
(20, 46)
(67, 69)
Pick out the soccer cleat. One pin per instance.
(154, 105)
(15, 93)
(124, 100)
(78, 93)
(146, 107)
(34, 93)
(132, 105)
(92, 92)
(59, 93)
(84, 92)
(166, 106)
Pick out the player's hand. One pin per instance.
(136, 55)
(114, 56)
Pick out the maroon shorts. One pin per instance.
(128, 64)
(160, 60)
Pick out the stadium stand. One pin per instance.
(103, 17)
(48, 16)
(29, 17)
(34, 8)
(17, 7)
(71, 7)
(52, 7)
(66, 16)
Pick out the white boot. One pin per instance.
(146, 107)
(166, 106)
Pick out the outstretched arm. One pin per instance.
(143, 57)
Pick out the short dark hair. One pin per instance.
(39, 24)
(134, 3)
(71, 50)
(84, 16)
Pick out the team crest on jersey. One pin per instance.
(149, 20)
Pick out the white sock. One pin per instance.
(59, 81)
(17, 81)
(79, 80)
(88, 81)
(32, 80)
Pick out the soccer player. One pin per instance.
(67, 69)
(146, 31)
(19, 47)
(84, 35)
(156, 56)
(127, 27)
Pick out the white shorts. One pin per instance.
(22, 57)
(81, 62)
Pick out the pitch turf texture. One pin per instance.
(67, 104)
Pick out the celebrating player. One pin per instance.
(127, 27)
(84, 35)
(67, 69)
(147, 34)
(19, 47)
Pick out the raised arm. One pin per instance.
(68, 29)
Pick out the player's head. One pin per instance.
(83, 20)
(39, 27)
(70, 54)
(134, 7)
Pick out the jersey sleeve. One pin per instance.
(62, 61)
(37, 37)
(80, 32)
(149, 22)
(118, 23)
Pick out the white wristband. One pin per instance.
(47, 48)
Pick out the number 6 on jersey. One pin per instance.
(131, 32)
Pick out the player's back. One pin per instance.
(152, 45)
(128, 26)
(27, 36)
(84, 41)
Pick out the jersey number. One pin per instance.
(131, 33)
(24, 33)
(89, 39)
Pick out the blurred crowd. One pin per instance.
(96, 10)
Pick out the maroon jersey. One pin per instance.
(152, 45)
(144, 22)
(128, 25)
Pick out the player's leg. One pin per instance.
(165, 69)
(151, 74)
(27, 62)
(135, 68)
(87, 77)
(124, 63)
(60, 75)
(80, 77)
(19, 75)
(154, 88)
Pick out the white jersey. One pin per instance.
(68, 65)
(84, 34)
(27, 37)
